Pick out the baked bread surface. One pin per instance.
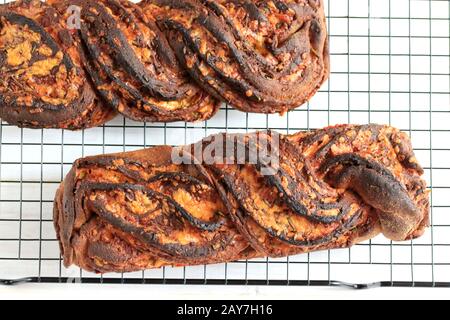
(75, 63)
(164, 206)
(42, 80)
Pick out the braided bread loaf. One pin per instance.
(157, 60)
(42, 80)
(317, 190)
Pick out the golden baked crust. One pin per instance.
(42, 83)
(258, 56)
(159, 60)
(134, 67)
(333, 188)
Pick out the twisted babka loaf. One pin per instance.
(316, 190)
(42, 80)
(157, 60)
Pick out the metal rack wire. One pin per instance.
(390, 64)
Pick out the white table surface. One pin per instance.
(41, 291)
(415, 61)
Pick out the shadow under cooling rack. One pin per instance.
(390, 64)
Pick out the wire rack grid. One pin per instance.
(390, 65)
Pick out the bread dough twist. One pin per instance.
(318, 190)
(75, 63)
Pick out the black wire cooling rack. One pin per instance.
(390, 64)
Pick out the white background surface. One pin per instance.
(91, 292)
(393, 71)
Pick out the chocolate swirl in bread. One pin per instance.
(258, 56)
(42, 81)
(157, 60)
(133, 66)
(330, 188)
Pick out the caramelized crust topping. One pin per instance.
(159, 60)
(331, 189)
(43, 84)
(258, 56)
(135, 68)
